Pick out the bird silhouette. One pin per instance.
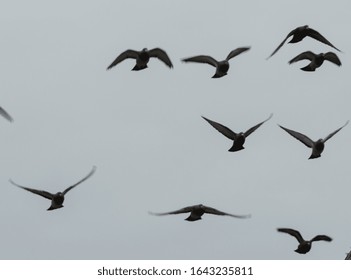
(196, 211)
(58, 198)
(142, 58)
(300, 33)
(5, 114)
(316, 59)
(222, 67)
(304, 245)
(316, 146)
(238, 138)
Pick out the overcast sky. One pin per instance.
(144, 132)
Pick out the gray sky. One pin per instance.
(144, 132)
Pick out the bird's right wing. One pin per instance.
(5, 115)
(292, 232)
(124, 55)
(299, 136)
(282, 43)
(222, 129)
(38, 192)
(305, 55)
(202, 59)
(180, 211)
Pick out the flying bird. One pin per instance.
(142, 58)
(196, 211)
(304, 245)
(5, 115)
(316, 59)
(316, 146)
(238, 138)
(300, 33)
(222, 67)
(58, 198)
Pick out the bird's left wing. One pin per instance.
(81, 181)
(161, 55)
(252, 129)
(321, 237)
(214, 211)
(316, 35)
(333, 133)
(237, 51)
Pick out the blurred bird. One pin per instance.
(300, 33)
(316, 59)
(238, 138)
(304, 245)
(5, 115)
(317, 146)
(58, 198)
(142, 58)
(222, 67)
(196, 211)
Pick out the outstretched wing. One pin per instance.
(332, 57)
(252, 129)
(348, 256)
(316, 35)
(81, 181)
(321, 237)
(333, 133)
(305, 55)
(236, 52)
(222, 129)
(202, 59)
(282, 43)
(299, 136)
(124, 55)
(5, 115)
(292, 232)
(38, 192)
(161, 55)
(210, 210)
(180, 211)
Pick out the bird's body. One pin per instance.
(300, 33)
(142, 58)
(304, 245)
(196, 211)
(58, 198)
(316, 59)
(222, 67)
(316, 146)
(238, 138)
